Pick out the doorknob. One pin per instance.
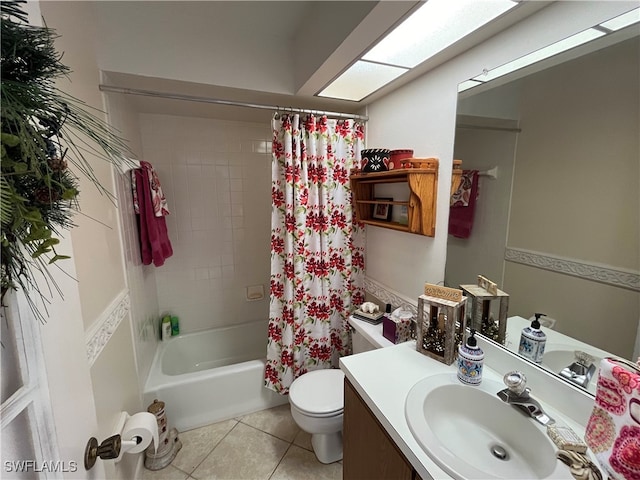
(109, 448)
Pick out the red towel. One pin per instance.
(461, 215)
(154, 240)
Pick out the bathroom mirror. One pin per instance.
(557, 227)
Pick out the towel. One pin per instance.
(613, 430)
(158, 199)
(463, 205)
(155, 245)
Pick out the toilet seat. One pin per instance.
(319, 393)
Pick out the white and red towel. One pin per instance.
(463, 205)
(613, 430)
(151, 206)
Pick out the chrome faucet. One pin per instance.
(581, 370)
(517, 394)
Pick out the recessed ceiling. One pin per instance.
(270, 52)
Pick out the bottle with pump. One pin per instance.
(533, 340)
(470, 361)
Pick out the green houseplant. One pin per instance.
(46, 138)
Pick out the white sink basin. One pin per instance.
(465, 430)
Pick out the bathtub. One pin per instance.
(210, 376)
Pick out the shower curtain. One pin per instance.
(317, 247)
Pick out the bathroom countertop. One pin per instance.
(372, 333)
(383, 378)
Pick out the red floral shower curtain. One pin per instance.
(317, 247)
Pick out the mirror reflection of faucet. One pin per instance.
(517, 394)
(581, 370)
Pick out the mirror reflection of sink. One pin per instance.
(470, 433)
(558, 357)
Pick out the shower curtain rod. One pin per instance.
(218, 101)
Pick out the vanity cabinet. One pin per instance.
(368, 451)
(422, 185)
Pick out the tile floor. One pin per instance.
(264, 445)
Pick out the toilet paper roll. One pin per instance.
(141, 428)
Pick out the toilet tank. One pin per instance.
(366, 336)
(361, 344)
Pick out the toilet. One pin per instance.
(317, 406)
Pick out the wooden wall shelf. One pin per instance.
(422, 183)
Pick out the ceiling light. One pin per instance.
(434, 27)
(623, 20)
(546, 52)
(361, 80)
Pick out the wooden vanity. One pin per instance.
(368, 451)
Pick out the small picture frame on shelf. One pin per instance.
(382, 211)
(403, 216)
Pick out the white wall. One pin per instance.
(97, 251)
(216, 176)
(421, 115)
(194, 50)
(97, 254)
(141, 279)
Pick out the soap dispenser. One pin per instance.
(533, 340)
(470, 360)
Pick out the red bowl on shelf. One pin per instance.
(396, 157)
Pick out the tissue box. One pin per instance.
(397, 327)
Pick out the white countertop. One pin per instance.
(383, 378)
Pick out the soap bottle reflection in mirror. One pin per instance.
(533, 340)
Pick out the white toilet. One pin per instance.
(317, 406)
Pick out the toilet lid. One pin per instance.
(319, 392)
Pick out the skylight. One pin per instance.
(622, 21)
(568, 43)
(435, 26)
(360, 80)
(546, 52)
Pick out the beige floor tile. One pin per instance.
(277, 421)
(303, 439)
(301, 464)
(198, 443)
(168, 473)
(244, 454)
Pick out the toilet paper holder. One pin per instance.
(109, 448)
(114, 447)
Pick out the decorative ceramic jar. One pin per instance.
(397, 156)
(375, 159)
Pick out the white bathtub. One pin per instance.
(210, 376)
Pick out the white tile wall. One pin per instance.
(216, 176)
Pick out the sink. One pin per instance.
(471, 434)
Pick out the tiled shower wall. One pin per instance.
(216, 176)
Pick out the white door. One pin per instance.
(47, 413)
